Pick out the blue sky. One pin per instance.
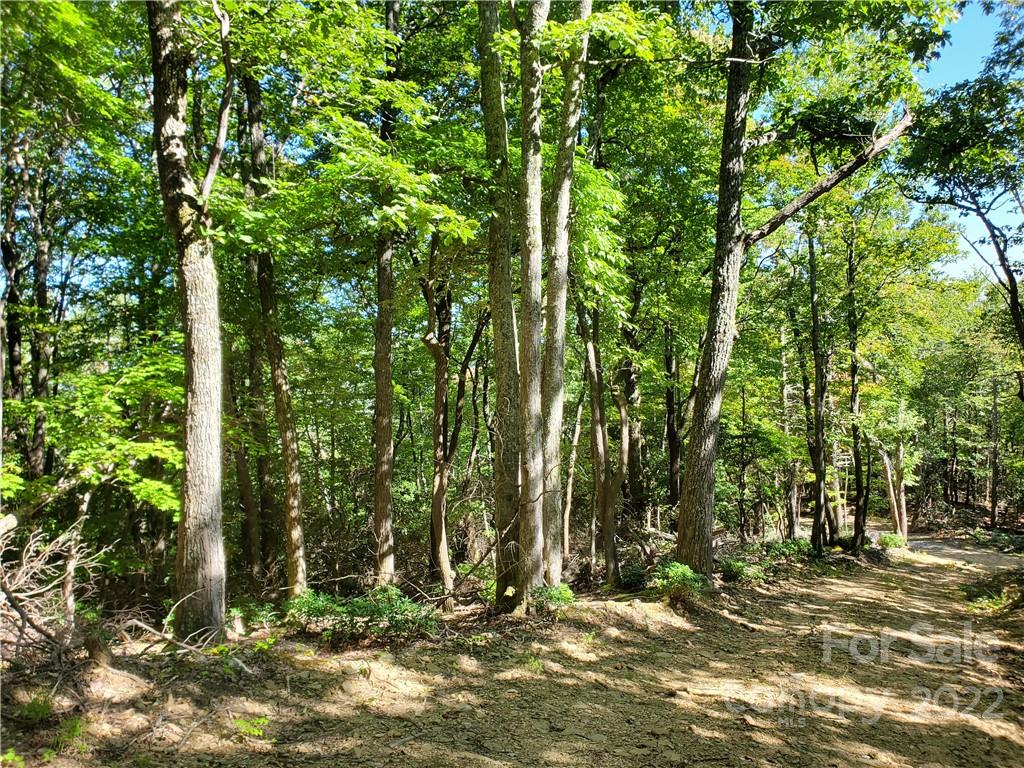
(971, 39)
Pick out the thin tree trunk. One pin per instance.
(604, 506)
(295, 549)
(634, 494)
(570, 480)
(505, 420)
(270, 515)
(201, 568)
(553, 366)
(251, 544)
(792, 530)
(860, 497)
(531, 415)
(994, 481)
(820, 529)
(384, 449)
(41, 343)
(697, 502)
(671, 419)
(439, 557)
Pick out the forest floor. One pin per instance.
(762, 676)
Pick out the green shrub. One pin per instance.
(891, 541)
(551, 600)
(36, 710)
(252, 726)
(311, 609)
(12, 759)
(742, 572)
(632, 577)
(71, 736)
(676, 581)
(255, 614)
(382, 614)
(789, 549)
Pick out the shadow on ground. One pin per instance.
(745, 682)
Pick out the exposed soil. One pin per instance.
(744, 681)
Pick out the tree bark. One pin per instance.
(531, 416)
(251, 544)
(505, 420)
(553, 366)
(570, 479)
(793, 470)
(696, 508)
(604, 506)
(271, 520)
(994, 458)
(860, 498)
(41, 339)
(634, 500)
(383, 430)
(201, 569)
(438, 340)
(820, 527)
(671, 419)
(295, 548)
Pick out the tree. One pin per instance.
(531, 244)
(201, 569)
(505, 420)
(383, 435)
(266, 283)
(732, 241)
(968, 154)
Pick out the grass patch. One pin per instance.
(35, 710)
(383, 615)
(552, 601)
(891, 541)
(678, 582)
(998, 595)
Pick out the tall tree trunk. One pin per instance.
(295, 548)
(41, 340)
(505, 422)
(251, 544)
(10, 320)
(570, 479)
(440, 347)
(860, 497)
(634, 495)
(201, 569)
(383, 431)
(671, 418)
(271, 520)
(821, 527)
(994, 458)
(893, 474)
(697, 502)
(792, 530)
(531, 416)
(604, 502)
(553, 366)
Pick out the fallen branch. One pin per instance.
(185, 646)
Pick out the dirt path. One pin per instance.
(621, 684)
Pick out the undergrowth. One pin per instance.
(384, 614)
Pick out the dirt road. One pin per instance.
(868, 666)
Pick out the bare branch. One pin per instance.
(217, 151)
(831, 181)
